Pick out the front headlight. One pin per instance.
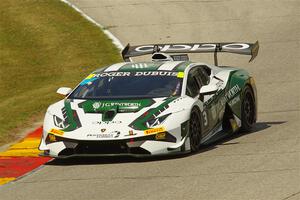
(156, 121)
(60, 123)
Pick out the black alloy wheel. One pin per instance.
(195, 130)
(248, 110)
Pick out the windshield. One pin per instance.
(116, 85)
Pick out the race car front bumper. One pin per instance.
(60, 147)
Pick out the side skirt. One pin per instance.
(216, 134)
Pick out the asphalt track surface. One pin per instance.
(264, 164)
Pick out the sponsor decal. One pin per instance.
(89, 79)
(106, 122)
(117, 134)
(91, 106)
(192, 47)
(96, 105)
(56, 132)
(230, 94)
(219, 106)
(113, 134)
(97, 135)
(180, 75)
(109, 74)
(156, 73)
(90, 76)
(52, 138)
(234, 101)
(131, 105)
(160, 136)
(130, 133)
(233, 91)
(154, 130)
(134, 73)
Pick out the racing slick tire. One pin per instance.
(195, 130)
(248, 110)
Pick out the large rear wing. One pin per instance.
(233, 47)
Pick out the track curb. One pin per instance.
(21, 158)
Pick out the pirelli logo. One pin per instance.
(56, 132)
(154, 130)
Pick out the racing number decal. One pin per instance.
(205, 121)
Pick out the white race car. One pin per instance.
(167, 106)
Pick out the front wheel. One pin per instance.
(195, 130)
(248, 110)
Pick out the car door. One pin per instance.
(198, 77)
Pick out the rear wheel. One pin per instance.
(195, 130)
(248, 110)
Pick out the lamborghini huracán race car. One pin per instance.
(167, 106)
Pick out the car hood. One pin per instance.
(91, 119)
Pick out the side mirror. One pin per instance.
(208, 89)
(64, 91)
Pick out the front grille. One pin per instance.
(67, 152)
(94, 147)
(101, 148)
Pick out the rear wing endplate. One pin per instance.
(233, 47)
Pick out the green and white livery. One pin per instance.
(167, 106)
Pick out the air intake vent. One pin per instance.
(166, 57)
(109, 115)
(161, 57)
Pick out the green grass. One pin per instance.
(43, 45)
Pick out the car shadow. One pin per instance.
(257, 129)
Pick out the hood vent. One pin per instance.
(109, 115)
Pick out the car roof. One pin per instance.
(179, 66)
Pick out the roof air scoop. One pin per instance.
(161, 57)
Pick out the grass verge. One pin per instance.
(43, 45)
